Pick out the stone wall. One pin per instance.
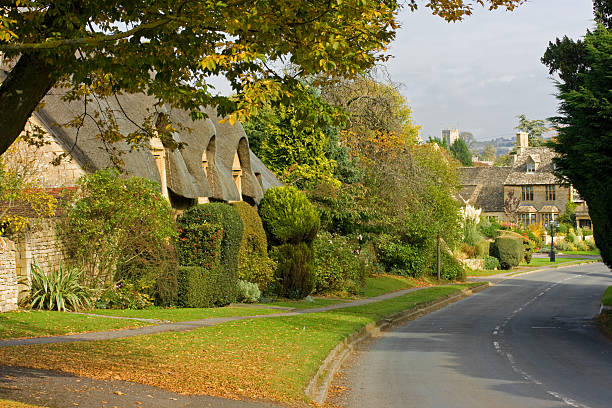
(39, 244)
(8, 276)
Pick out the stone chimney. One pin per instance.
(522, 141)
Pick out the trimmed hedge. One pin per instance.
(482, 248)
(490, 262)
(451, 268)
(294, 271)
(509, 250)
(401, 258)
(225, 216)
(199, 246)
(288, 216)
(196, 287)
(254, 265)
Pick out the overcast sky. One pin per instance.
(479, 74)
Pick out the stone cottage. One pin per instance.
(215, 164)
(530, 178)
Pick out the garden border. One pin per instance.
(318, 386)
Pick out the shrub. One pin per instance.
(152, 273)
(247, 292)
(337, 264)
(491, 262)
(590, 244)
(570, 237)
(199, 245)
(582, 246)
(530, 248)
(294, 276)
(510, 251)
(488, 226)
(400, 258)
(451, 269)
(226, 217)
(482, 248)
(123, 296)
(565, 246)
(288, 216)
(111, 220)
(254, 265)
(59, 290)
(468, 250)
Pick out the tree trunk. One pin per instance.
(22, 90)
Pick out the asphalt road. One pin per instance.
(528, 342)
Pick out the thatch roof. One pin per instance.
(184, 173)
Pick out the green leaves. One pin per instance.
(59, 290)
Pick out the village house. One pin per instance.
(530, 178)
(215, 164)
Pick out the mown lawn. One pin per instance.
(38, 323)
(595, 252)
(546, 261)
(186, 314)
(606, 299)
(486, 272)
(271, 358)
(305, 304)
(381, 284)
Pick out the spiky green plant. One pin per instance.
(59, 290)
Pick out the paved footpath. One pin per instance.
(190, 325)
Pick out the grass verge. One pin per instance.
(304, 304)
(606, 299)
(38, 323)
(271, 358)
(381, 284)
(185, 314)
(546, 261)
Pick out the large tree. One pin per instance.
(460, 151)
(535, 128)
(584, 141)
(171, 49)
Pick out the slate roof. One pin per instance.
(185, 175)
(483, 187)
(544, 171)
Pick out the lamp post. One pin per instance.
(552, 242)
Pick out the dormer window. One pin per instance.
(531, 167)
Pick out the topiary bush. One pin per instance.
(254, 265)
(247, 292)
(199, 245)
(510, 250)
(294, 271)
(288, 216)
(491, 263)
(338, 265)
(482, 248)
(196, 287)
(226, 217)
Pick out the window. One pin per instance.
(548, 218)
(531, 167)
(550, 192)
(527, 193)
(527, 218)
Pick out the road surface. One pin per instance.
(530, 342)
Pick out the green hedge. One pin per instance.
(401, 258)
(199, 247)
(225, 216)
(288, 216)
(482, 248)
(509, 250)
(254, 265)
(451, 269)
